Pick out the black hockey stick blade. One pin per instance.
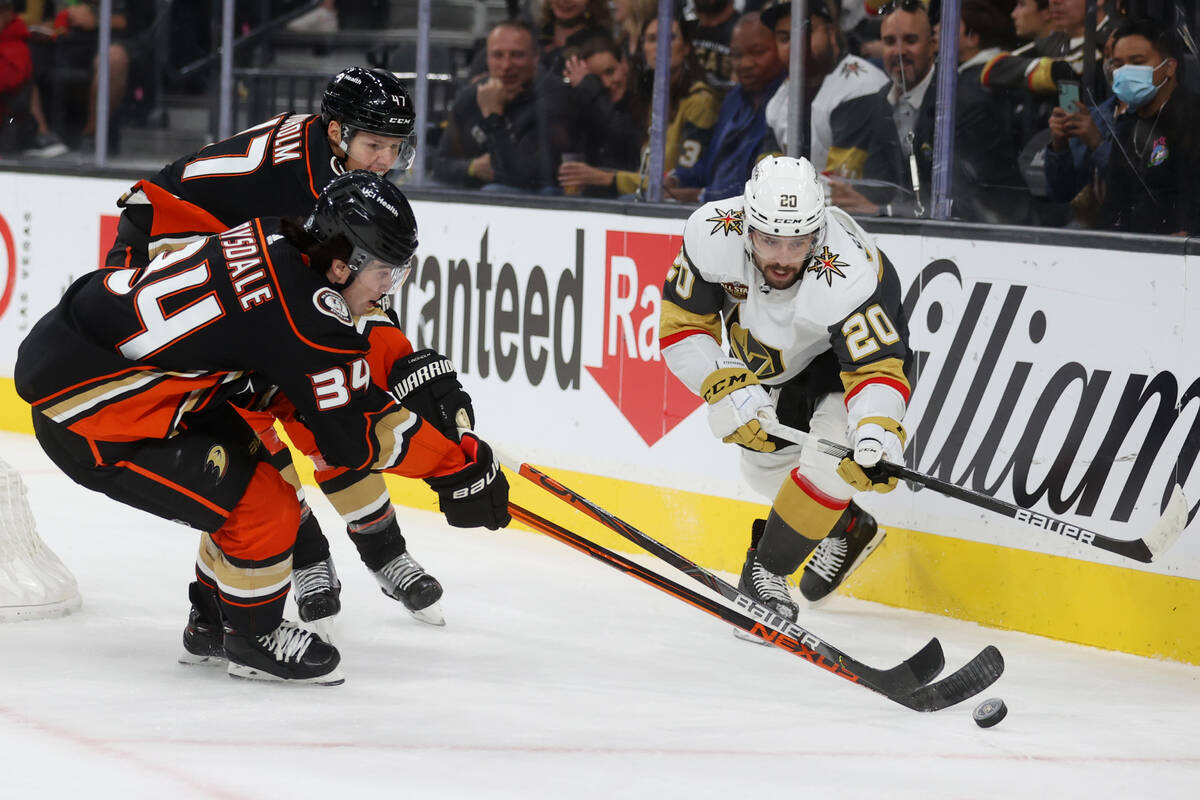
(911, 674)
(972, 678)
(1161, 538)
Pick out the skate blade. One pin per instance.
(193, 660)
(323, 628)
(334, 678)
(746, 637)
(430, 615)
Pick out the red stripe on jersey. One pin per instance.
(810, 489)
(145, 473)
(316, 190)
(667, 341)
(149, 413)
(892, 382)
(91, 381)
(174, 215)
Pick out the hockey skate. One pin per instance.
(766, 587)
(839, 554)
(288, 653)
(203, 638)
(403, 579)
(318, 596)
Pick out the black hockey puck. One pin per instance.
(990, 712)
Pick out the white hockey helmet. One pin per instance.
(784, 197)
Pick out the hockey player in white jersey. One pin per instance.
(814, 334)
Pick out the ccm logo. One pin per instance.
(1054, 526)
(479, 485)
(728, 383)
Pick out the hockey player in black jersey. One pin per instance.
(132, 375)
(817, 337)
(277, 169)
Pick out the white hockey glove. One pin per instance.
(874, 439)
(735, 396)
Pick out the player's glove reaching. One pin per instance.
(874, 439)
(735, 396)
(476, 495)
(425, 383)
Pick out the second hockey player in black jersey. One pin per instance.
(132, 375)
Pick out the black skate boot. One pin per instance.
(403, 579)
(318, 591)
(288, 653)
(766, 587)
(203, 638)
(839, 554)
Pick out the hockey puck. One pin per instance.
(990, 712)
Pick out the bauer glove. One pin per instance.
(477, 495)
(426, 384)
(875, 439)
(735, 396)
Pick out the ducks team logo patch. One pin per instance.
(332, 304)
(726, 221)
(217, 461)
(826, 265)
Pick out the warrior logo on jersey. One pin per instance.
(726, 221)
(826, 265)
(735, 290)
(332, 304)
(765, 362)
(217, 461)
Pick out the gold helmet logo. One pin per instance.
(217, 461)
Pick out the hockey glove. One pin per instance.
(874, 439)
(476, 495)
(734, 398)
(425, 383)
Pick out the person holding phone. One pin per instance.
(1079, 148)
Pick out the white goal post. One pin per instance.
(33, 582)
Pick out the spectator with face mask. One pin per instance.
(1150, 183)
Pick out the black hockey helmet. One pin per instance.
(375, 218)
(372, 100)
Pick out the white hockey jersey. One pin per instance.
(848, 300)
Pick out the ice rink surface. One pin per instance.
(556, 677)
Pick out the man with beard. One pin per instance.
(817, 339)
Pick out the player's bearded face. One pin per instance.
(780, 259)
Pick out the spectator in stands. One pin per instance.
(73, 51)
(711, 34)
(839, 79)
(630, 18)
(741, 132)
(569, 23)
(488, 116)
(605, 134)
(1150, 184)
(985, 184)
(16, 81)
(1031, 21)
(692, 109)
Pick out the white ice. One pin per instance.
(556, 677)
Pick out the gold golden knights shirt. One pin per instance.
(848, 300)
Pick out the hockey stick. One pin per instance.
(897, 680)
(1164, 534)
(968, 681)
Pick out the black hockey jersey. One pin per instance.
(128, 354)
(276, 168)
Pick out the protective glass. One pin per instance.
(388, 276)
(788, 251)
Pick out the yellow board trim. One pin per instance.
(1062, 598)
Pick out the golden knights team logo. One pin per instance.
(763, 361)
(726, 221)
(217, 461)
(826, 265)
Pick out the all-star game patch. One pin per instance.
(735, 290)
(826, 265)
(332, 304)
(727, 221)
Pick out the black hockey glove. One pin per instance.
(476, 495)
(426, 384)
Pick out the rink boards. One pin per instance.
(1054, 374)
